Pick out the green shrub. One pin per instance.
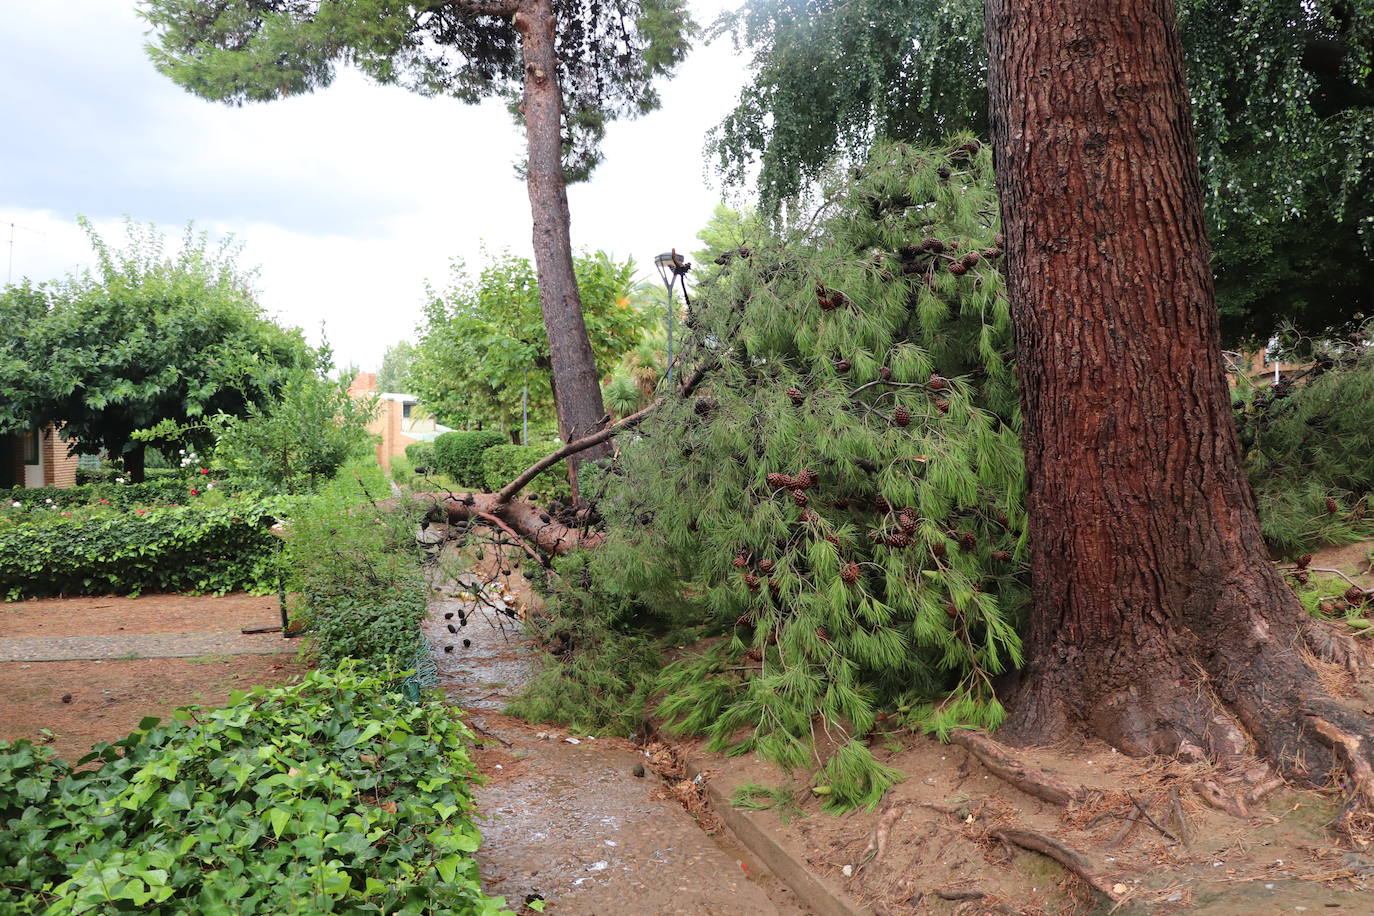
(355, 564)
(213, 547)
(332, 796)
(123, 496)
(503, 463)
(422, 455)
(459, 455)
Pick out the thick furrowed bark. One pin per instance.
(577, 389)
(1157, 621)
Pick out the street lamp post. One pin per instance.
(671, 266)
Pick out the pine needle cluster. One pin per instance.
(840, 504)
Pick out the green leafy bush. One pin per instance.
(123, 496)
(332, 796)
(357, 568)
(209, 547)
(422, 455)
(503, 463)
(459, 455)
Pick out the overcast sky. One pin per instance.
(347, 199)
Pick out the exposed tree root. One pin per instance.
(1330, 646)
(1353, 749)
(877, 844)
(1003, 763)
(1065, 855)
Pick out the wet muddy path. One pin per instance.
(567, 819)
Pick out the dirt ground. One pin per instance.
(84, 702)
(1144, 829)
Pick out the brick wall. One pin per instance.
(59, 468)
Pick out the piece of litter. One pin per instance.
(1111, 858)
(572, 741)
(1119, 889)
(612, 843)
(699, 777)
(1218, 864)
(598, 866)
(1269, 887)
(498, 766)
(848, 870)
(1174, 897)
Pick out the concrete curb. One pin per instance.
(810, 888)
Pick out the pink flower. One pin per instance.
(141, 511)
(205, 470)
(195, 492)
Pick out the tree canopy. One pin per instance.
(483, 338)
(396, 362)
(147, 336)
(1282, 97)
(609, 53)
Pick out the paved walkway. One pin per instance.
(569, 821)
(148, 645)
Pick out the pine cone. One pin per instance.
(943, 172)
(992, 253)
(864, 464)
(876, 536)
(838, 299)
(740, 561)
(938, 382)
(765, 566)
(1001, 555)
(882, 505)
(938, 549)
(827, 304)
(842, 503)
(800, 498)
(703, 406)
(967, 541)
(821, 632)
(907, 519)
(808, 478)
(1300, 576)
(970, 259)
(1356, 595)
(796, 396)
(778, 481)
(843, 365)
(933, 244)
(950, 609)
(754, 655)
(808, 516)
(885, 373)
(752, 581)
(850, 573)
(942, 406)
(971, 147)
(1304, 561)
(909, 251)
(1002, 519)
(899, 540)
(999, 240)
(1332, 507)
(901, 416)
(832, 539)
(958, 268)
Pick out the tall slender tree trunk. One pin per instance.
(577, 392)
(1157, 621)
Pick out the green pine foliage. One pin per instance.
(839, 504)
(458, 455)
(1310, 453)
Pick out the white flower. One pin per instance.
(209, 486)
(48, 500)
(119, 480)
(181, 451)
(17, 504)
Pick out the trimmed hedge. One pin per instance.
(119, 495)
(422, 455)
(335, 795)
(459, 455)
(503, 463)
(190, 549)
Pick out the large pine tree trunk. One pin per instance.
(577, 389)
(1157, 620)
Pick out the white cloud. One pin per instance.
(348, 199)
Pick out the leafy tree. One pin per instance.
(483, 339)
(1157, 623)
(298, 439)
(147, 336)
(1282, 99)
(394, 375)
(574, 65)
